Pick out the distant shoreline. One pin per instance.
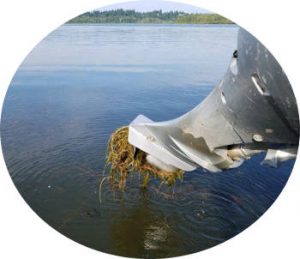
(141, 24)
(121, 16)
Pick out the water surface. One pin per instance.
(84, 81)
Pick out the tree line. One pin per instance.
(132, 16)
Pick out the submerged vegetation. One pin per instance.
(132, 16)
(122, 158)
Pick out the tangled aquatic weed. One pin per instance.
(123, 159)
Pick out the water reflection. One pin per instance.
(142, 231)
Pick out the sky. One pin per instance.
(150, 5)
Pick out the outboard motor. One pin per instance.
(252, 110)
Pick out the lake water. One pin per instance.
(84, 81)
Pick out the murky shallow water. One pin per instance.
(79, 85)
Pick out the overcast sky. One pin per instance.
(150, 5)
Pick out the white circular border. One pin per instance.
(24, 23)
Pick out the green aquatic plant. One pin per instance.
(123, 159)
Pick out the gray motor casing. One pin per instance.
(253, 109)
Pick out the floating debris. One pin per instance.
(123, 158)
